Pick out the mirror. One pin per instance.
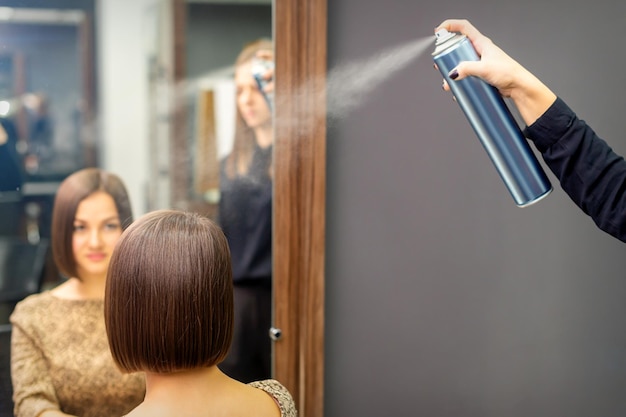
(129, 111)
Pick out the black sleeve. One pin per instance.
(589, 171)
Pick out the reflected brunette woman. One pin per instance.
(60, 359)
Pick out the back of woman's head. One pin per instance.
(74, 189)
(169, 294)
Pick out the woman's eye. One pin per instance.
(78, 227)
(113, 226)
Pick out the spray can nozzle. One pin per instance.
(443, 35)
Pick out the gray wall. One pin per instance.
(444, 298)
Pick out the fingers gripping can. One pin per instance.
(492, 122)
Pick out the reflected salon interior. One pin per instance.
(68, 101)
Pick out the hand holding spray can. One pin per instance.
(259, 67)
(492, 121)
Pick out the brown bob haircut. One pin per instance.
(168, 302)
(74, 189)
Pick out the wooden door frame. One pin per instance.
(300, 33)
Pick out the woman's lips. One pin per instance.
(96, 256)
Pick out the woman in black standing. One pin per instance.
(245, 215)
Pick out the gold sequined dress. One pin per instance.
(280, 394)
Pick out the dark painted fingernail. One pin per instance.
(443, 86)
(454, 74)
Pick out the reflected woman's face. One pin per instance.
(250, 101)
(97, 228)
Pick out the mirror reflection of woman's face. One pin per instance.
(97, 228)
(250, 101)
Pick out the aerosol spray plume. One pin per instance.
(348, 85)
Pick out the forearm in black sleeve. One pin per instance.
(589, 171)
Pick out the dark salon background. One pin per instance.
(444, 298)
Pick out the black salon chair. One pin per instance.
(11, 214)
(22, 267)
(6, 388)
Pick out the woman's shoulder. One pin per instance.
(35, 301)
(45, 306)
(280, 394)
(30, 312)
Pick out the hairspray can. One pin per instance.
(492, 121)
(259, 68)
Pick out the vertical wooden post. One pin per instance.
(300, 199)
